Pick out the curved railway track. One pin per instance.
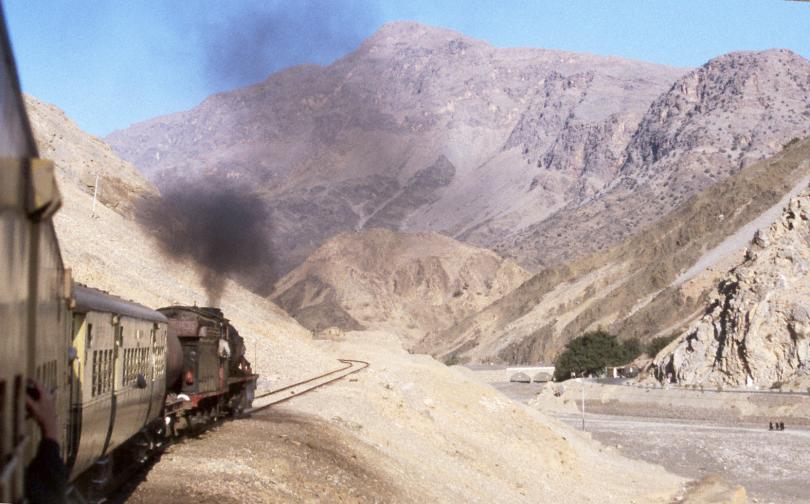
(125, 484)
(271, 397)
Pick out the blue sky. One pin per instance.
(109, 64)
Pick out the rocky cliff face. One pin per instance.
(714, 121)
(420, 129)
(757, 328)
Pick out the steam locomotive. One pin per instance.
(124, 377)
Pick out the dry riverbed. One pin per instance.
(772, 466)
(718, 440)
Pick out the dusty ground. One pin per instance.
(710, 405)
(697, 434)
(772, 466)
(407, 429)
(275, 456)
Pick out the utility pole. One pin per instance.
(582, 382)
(95, 194)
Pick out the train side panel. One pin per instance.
(31, 280)
(50, 363)
(94, 401)
(15, 247)
(137, 384)
(120, 378)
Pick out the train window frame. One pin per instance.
(93, 375)
(108, 373)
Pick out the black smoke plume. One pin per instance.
(256, 40)
(223, 228)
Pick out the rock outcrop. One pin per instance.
(714, 121)
(756, 331)
(409, 284)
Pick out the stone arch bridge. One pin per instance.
(529, 374)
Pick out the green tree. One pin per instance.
(592, 352)
(658, 344)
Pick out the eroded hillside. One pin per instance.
(408, 284)
(83, 161)
(644, 287)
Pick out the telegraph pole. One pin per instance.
(95, 194)
(582, 382)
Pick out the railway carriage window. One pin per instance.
(108, 371)
(95, 372)
(105, 359)
(128, 365)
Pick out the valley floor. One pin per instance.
(772, 466)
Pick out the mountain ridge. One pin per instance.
(331, 145)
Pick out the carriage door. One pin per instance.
(150, 372)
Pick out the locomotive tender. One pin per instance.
(124, 377)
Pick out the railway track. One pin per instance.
(271, 397)
(124, 484)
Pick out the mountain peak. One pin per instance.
(417, 35)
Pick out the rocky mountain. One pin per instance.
(408, 284)
(541, 155)
(419, 129)
(83, 160)
(714, 121)
(655, 283)
(756, 326)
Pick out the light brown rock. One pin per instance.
(755, 330)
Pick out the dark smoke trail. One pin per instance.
(256, 40)
(222, 227)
